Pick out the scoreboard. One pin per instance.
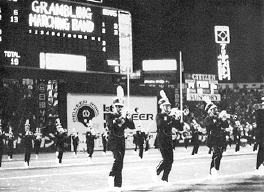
(65, 35)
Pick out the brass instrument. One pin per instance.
(29, 132)
(10, 134)
(224, 115)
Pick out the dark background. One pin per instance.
(162, 28)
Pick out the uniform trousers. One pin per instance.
(90, 149)
(1, 155)
(10, 148)
(37, 146)
(60, 155)
(255, 147)
(260, 155)
(117, 168)
(216, 158)
(186, 143)
(104, 145)
(27, 155)
(141, 148)
(237, 142)
(195, 148)
(166, 162)
(147, 145)
(75, 146)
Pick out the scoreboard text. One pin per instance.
(100, 36)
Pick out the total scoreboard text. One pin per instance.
(34, 31)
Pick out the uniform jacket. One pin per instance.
(141, 136)
(90, 138)
(75, 140)
(117, 125)
(2, 144)
(27, 141)
(215, 134)
(60, 140)
(164, 130)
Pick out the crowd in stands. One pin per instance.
(239, 103)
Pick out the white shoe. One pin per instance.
(117, 189)
(214, 174)
(104, 153)
(260, 170)
(155, 177)
(89, 160)
(111, 181)
(165, 183)
(36, 157)
(26, 165)
(211, 177)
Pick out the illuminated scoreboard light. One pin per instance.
(200, 86)
(33, 30)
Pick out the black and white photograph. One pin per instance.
(131, 95)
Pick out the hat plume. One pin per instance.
(163, 94)
(207, 100)
(120, 92)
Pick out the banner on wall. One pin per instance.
(83, 107)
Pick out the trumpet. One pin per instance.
(224, 115)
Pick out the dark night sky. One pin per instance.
(162, 28)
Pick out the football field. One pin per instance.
(189, 173)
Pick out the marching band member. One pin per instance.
(259, 115)
(10, 141)
(186, 135)
(254, 135)
(178, 126)
(117, 122)
(175, 135)
(90, 137)
(104, 139)
(37, 141)
(2, 144)
(147, 137)
(75, 142)
(140, 141)
(140, 136)
(214, 124)
(28, 139)
(237, 135)
(61, 136)
(196, 132)
(165, 123)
